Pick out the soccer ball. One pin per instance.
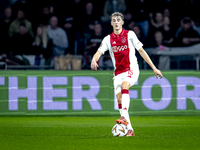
(119, 130)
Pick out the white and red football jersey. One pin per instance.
(122, 50)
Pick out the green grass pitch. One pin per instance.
(94, 133)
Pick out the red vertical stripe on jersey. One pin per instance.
(120, 48)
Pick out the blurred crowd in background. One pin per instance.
(51, 30)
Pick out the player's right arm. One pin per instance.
(95, 58)
(101, 50)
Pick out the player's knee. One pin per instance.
(125, 85)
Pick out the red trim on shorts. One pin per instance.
(124, 91)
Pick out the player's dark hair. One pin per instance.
(117, 14)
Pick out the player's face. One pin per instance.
(117, 22)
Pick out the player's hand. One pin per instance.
(94, 65)
(158, 73)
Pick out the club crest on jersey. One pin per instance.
(123, 40)
(119, 48)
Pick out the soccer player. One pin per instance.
(121, 45)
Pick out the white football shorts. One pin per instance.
(130, 76)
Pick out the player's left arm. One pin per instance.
(146, 57)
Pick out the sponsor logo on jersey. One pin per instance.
(119, 48)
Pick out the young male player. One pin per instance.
(121, 45)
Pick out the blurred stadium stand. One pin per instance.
(79, 27)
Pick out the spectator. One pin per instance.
(6, 56)
(58, 37)
(75, 9)
(41, 39)
(94, 42)
(187, 35)
(75, 37)
(89, 17)
(52, 9)
(113, 6)
(4, 28)
(3, 5)
(95, 39)
(166, 12)
(168, 35)
(139, 14)
(24, 5)
(21, 19)
(42, 48)
(130, 25)
(22, 41)
(44, 16)
(139, 33)
(161, 62)
(92, 45)
(156, 22)
(158, 39)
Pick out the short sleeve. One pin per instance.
(104, 45)
(136, 43)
